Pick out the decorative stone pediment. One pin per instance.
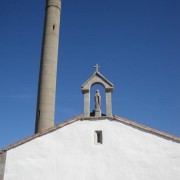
(97, 78)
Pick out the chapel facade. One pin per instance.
(91, 146)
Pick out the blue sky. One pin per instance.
(136, 44)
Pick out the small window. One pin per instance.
(53, 26)
(98, 137)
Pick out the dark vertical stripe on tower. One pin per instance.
(2, 164)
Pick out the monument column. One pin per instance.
(48, 67)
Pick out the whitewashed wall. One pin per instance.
(69, 153)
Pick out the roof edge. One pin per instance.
(148, 129)
(81, 117)
(41, 133)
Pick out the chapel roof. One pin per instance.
(81, 118)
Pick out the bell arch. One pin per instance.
(97, 78)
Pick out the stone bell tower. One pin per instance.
(48, 68)
(97, 78)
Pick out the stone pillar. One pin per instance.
(86, 104)
(108, 104)
(2, 164)
(48, 67)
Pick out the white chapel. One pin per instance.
(91, 146)
(94, 146)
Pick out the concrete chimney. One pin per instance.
(48, 67)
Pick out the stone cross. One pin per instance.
(97, 67)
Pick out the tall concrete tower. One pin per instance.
(48, 68)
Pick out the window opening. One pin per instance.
(98, 137)
(53, 26)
